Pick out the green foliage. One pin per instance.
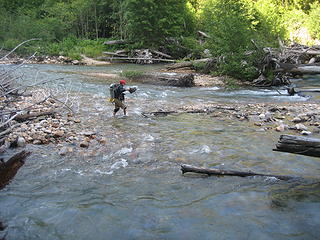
(312, 23)
(151, 22)
(231, 83)
(131, 74)
(199, 67)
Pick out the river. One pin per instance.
(132, 187)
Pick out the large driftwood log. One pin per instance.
(219, 172)
(188, 63)
(132, 59)
(299, 145)
(9, 169)
(25, 117)
(113, 42)
(299, 69)
(167, 79)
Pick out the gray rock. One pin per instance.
(301, 127)
(21, 142)
(63, 151)
(306, 133)
(84, 144)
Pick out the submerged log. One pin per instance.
(10, 168)
(167, 79)
(299, 145)
(219, 172)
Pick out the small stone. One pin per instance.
(297, 120)
(306, 133)
(84, 144)
(58, 133)
(281, 128)
(21, 142)
(301, 127)
(103, 140)
(36, 142)
(63, 151)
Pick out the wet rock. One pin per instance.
(88, 133)
(306, 133)
(281, 128)
(297, 120)
(36, 142)
(63, 151)
(102, 140)
(84, 144)
(21, 142)
(301, 127)
(58, 133)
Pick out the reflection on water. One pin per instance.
(132, 187)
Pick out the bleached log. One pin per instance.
(113, 42)
(188, 63)
(115, 54)
(167, 79)
(299, 69)
(130, 59)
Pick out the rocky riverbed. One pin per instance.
(69, 134)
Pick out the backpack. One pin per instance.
(113, 91)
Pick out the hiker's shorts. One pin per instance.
(119, 104)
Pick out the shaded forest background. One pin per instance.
(234, 27)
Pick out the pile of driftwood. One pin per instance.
(287, 62)
(139, 56)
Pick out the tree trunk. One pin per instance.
(299, 69)
(168, 79)
(299, 145)
(188, 64)
(219, 172)
(9, 169)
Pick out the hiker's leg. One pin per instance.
(125, 111)
(115, 111)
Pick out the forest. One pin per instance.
(235, 30)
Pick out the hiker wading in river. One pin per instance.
(117, 96)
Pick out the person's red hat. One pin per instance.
(123, 82)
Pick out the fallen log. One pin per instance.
(299, 69)
(114, 42)
(219, 172)
(299, 145)
(115, 54)
(188, 63)
(10, 168)
(130, 59)
(25, 117)
(167, 79)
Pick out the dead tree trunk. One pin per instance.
(9, 169)
(299, 145)
(188, 63)
(299, 69)
(168, 79)
(219, 172)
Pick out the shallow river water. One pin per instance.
(132, 188)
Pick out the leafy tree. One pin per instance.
(151, 22)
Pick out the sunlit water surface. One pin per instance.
(132, 188)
